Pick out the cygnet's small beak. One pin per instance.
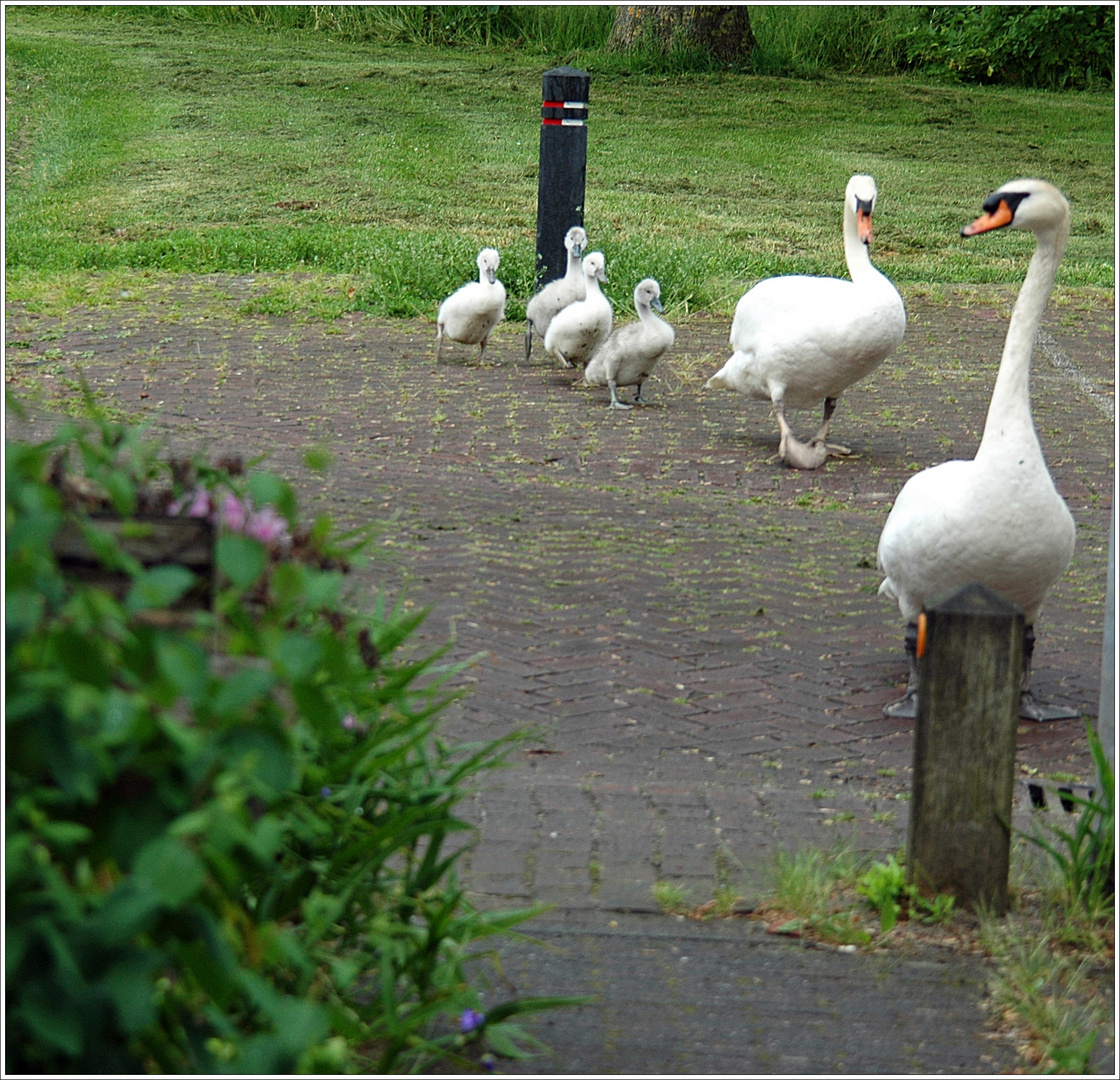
(655, 303)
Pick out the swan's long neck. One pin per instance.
(1009, 421)
(856, 254)
(575, 266)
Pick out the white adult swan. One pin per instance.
(469, 314)
(799, 340)
(627, 357)
(558, 294)
(577, 331)
(997, 519)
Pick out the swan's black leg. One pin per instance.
(907, 705)
(822, 431)
(829, 409)
(1029, 708)
(793, 452)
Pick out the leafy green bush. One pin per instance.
(1054, 47)
(231, 833)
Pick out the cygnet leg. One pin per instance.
(638, 399)
(439, 340)
(615, 403)
(528, 339)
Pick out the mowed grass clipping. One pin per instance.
(160, 147)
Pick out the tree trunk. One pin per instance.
(725, 32)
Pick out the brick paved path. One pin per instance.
(691, 628)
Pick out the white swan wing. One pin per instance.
(811, 337)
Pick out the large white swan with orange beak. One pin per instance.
(801, 340)
(997, 519)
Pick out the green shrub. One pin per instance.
(231, 833)
(1054, 47)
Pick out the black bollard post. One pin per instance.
(969, 672)
(562, 174)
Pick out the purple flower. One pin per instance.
(349, 721)
(234, 513)
(488, 1062)
(325, 792)
(267, 525)
(470, 1021)
(196, 503)
(238, 515)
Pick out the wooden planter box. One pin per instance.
(153, 541)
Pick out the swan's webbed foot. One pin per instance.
(564, 360)
(904, 708)
(1031, 709)
(802, 455)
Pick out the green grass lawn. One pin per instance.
(142, 148)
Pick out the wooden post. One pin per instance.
(562, 173)
(969, 672)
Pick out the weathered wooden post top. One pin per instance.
(562, 173)
(970, 666)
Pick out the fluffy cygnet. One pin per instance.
(469, 314)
